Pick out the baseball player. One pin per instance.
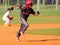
(7, 18)
(25, 11)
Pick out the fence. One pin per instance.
(45, 5)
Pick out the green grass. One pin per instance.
(44, 19)
(45, 12)
(44, 31)
(33, 19)
(50, 12)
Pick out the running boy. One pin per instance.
(25, 11)
(7, 18)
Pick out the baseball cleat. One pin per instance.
(17, 39)
(5, 25)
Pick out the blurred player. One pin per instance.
(7, 18)
(25, 11)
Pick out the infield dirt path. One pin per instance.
(7, 35)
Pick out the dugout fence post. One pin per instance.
(38, 5)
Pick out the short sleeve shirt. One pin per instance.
(24, 12)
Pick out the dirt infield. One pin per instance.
(7, 35)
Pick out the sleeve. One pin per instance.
(32, 11)
(20, 6)
(23, 8)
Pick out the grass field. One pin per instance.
(47, 15)
(55, 31)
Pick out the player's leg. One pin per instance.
(19, 32)
(8, 22)
(18, 35)
(25, 26)
(4, 19)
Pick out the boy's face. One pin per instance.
(9, 10)
(30, 5)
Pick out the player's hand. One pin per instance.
(10, 17)
(38, 12)
(12, 8)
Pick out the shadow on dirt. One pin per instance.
(43, 40)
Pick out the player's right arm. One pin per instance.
(34, 13)
(16, 5)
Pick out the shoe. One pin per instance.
(17, 39)
(5, 25)
(9, 25)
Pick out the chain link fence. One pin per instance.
(45, 5)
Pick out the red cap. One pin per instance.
(27, 3)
